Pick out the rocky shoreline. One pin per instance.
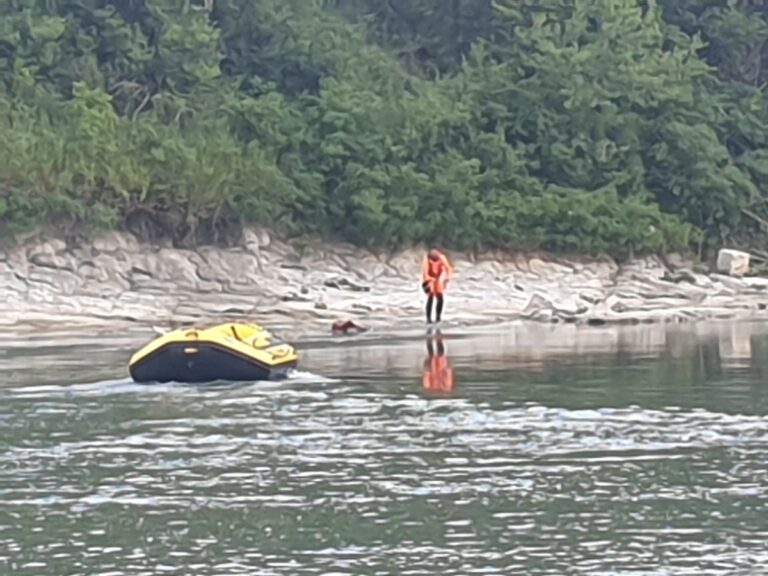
(114, 278)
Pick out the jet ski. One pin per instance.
(232, 352)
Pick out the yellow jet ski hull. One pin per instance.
(231, 352)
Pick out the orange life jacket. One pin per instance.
(436, 272)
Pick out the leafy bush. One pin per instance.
(596, 126)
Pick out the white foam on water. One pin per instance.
(128, 386)
(100, 388)
(305, 377)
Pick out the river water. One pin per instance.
(520, 450)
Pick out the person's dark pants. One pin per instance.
(439, 310)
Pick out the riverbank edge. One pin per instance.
(114, 279)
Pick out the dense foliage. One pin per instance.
(579, 125)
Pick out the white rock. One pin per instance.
(116, 242)
(9, 282)
(569, 307)
(732, 262)
(175, 266)
(255, 239)
(605, 271)
(539, 267)
(543, 316)
(58, 281)
(757, 283)
(736, 284)
(536, 303)
(50, 254)
(53, 246)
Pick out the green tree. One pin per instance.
(582, 125)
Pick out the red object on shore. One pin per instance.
(345, 326)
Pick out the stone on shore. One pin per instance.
(733, 262)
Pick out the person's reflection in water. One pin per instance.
(438, 375)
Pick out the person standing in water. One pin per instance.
(436, 272)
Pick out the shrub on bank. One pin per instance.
(594, 126)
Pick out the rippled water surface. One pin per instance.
(540, 450)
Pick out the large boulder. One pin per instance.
(732, 262)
